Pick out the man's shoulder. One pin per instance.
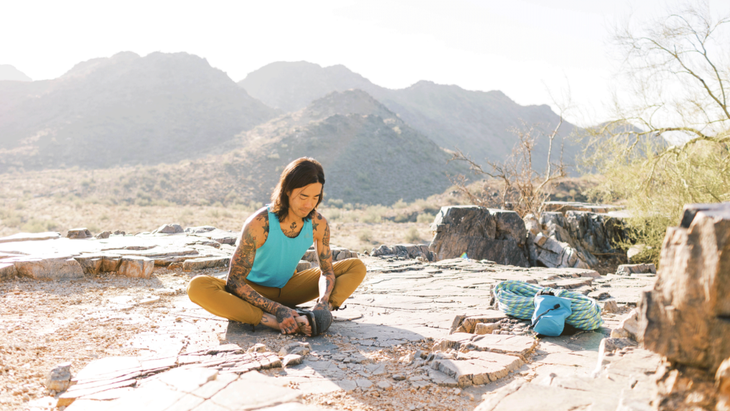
(259, 219)
(318, 221)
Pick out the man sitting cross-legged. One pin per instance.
(262, 286)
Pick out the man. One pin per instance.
(262, 286)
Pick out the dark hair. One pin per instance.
(299, 173)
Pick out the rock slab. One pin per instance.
(686, 316)
(49, 268)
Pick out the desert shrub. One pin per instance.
(373, 214)
(402, 218)
(683, 52)
(425, 218)
(231, 198)
(35, 225)
(365, 236)
(413, 236)
(335, 202)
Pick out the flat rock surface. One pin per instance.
(384, 351)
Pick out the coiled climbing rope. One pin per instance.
(516, 298)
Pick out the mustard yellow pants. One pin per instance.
(210, 292)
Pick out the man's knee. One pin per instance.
(357, 269)
(197, 287)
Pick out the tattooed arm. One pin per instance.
(327, 278)
(254, 234)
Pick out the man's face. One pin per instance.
(303, 200)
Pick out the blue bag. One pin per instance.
(550, 314)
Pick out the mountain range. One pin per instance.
(8, 72)
(182, 119)
(480, 124)
(123, 110)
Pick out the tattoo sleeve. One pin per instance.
(240, 267)
(327, 280)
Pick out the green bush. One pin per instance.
(425, 218)
(365, 236)
(413, 237)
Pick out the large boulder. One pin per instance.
(7, 271)
(481, 233)
(578, 236)
(685, 317)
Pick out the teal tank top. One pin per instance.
(276, 260)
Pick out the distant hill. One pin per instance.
(8, 72)
(370, 156)
(292, 86)
(478, 123)
(123, 110)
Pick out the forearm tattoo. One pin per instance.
(240, 267)
(327, 280)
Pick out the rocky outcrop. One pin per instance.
(79, 233)
(172, 228)
(573, 239)
(628, 269)
(404, 251)
(481, 233)
(214, 234)
(565, 206)
(686, 317)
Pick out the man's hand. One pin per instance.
(285, 316)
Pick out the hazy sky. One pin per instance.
(522, 47)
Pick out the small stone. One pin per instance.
(301, 348)
(139, 267)
(257, 348)
(385, 385)
(407, 359)
(59, 379)
(485, 328)
(149, 300)
(628, 269)
(628, 327)
(399, 377)
(610, 307)
(599, 295)
(363, 383)
(169, 229)
(291, 359)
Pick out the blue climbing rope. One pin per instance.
(517, 299)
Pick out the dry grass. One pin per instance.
(60, 200)
(359, 230)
